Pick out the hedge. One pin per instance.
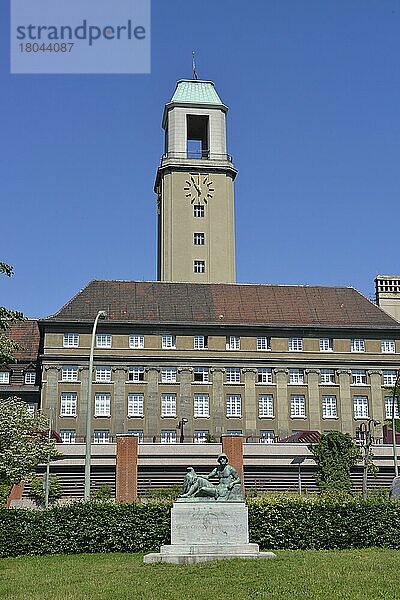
(278, 522)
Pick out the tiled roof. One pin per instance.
(196, 91)
(245, 304)
(26, 334)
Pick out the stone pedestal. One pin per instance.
(207, 530)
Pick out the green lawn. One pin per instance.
(321, 575)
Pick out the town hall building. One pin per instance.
(199, 350)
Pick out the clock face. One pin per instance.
(199, 188)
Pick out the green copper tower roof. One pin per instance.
(195, 91)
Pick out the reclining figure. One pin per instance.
(228, 488)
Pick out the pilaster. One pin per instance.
(282, 403)
(314, 404)
(218, 400)
(376, 401)
(120, 409)
(345, 401)
(250, 403)
(185, 400)
(152, 409)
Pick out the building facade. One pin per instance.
(262, 361)
(22, 378)
(195, 189)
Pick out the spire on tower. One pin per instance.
(195, 76)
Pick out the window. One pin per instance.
(68, 404)
(329, 407)
(297, 406)
(233, 405)
(234, 432)
(135, 405)
(200, 375)
(199, 266)
(360, 404)
(200, 342)
(296, 376)
(359, 377)
(136, 341)
(201, 406)
(69, 373)
(136, 374)
(101, 436)
(388, 346)
(4, 377)
(264, 375)
(326, 344)
(102, 405)
(103, 373)
(389, 377)
(295, 344)
(263, 343)
(198, 210)
(198, 239)
(136, 433)
(267, 436)
(233, 342)
(168, 375)
(168, 436)
(30, 378)
(357, 346)
(168, 405)
(103, 340)
(389, 408)
(30, 407)
(168, 341)
(232, 375)
(200, 436)
(71, 340)
(265, 405)
(68, 436)
(327, 376)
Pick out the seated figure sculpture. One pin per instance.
(228, 487)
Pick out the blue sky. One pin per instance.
(314, 94)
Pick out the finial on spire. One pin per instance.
(195, 76)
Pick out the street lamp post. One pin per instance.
(394, 405)
(181, 426)
(100, 315)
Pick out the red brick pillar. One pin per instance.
(126, 468)
(232, 445)
(15, 493)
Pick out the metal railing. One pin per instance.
(197, 155)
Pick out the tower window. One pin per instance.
(198, 239)
(197, 136)
(199, 266)
(198, 210)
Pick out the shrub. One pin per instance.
(335, 455)
(103, 494)
(37, 489)
(276, 521)
(162, 494)
(84, 527)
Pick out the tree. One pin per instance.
(7, 318)
(335, 455)
(24, 442)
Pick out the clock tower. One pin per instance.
(195, 190)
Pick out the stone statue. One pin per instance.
(228, 487)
